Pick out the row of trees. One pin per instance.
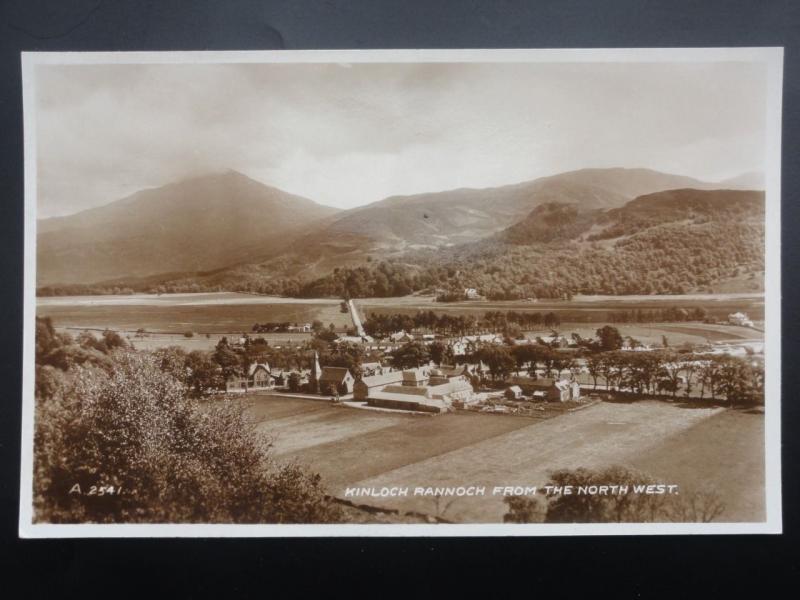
(383, 324)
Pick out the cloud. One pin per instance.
(347, 135)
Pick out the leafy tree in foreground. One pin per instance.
(159, 456)
(626, 508)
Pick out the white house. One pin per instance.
(740, 318)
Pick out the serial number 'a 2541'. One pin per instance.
(96, 490)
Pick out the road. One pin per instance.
(356, 319)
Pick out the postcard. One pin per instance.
(402, 293)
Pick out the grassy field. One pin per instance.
(170, 317)
(730, 449)
(692, 447)
(582, 309)
(152, 341)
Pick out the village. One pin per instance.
(425, 371)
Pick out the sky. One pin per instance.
(351, 134)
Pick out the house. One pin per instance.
(338, 379)
(374, 383)
(258, 378)
(401, 337)
(458, 347)
(372, 368)
(472, 294)
(546, 388)
(554, 341)
(513, 392)
(446, 374)
(740, 318)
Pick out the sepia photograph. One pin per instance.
(402, 293)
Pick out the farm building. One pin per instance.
(338, 379)
(374, 383)
(416, 377)
(258, 378)
(546, 388)
(437, 398)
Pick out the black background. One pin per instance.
(616, 567)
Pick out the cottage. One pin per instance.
(513, 392)
(472, 294)
(546, 388)
(401, 337)
(740, 318)
(258, 378)
(366, 386)
(338, 379)
(372, 368)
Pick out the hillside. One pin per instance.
(671, 242)
(465, 215)
(198, 224)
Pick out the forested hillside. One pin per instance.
(671, 242)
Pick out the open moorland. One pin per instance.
(696, 448)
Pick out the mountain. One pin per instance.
(457, 216)
(752, 180)
(199, 224)
(230, 232)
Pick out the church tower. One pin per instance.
(316, 373)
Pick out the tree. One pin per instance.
(294, 382)
(525, 510)
(410, 355)
(159, 457)
(499, 360)
(439, 352)
(594, 364)
(630, 507)
(609, 338)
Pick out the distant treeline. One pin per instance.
(383, 324)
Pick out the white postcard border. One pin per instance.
(772, 57)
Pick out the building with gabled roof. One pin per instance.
(374, 383)
(338, 378)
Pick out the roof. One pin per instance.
(334, 374)
(407, 390)
(417, 399)
(415, 374)
(255, 367)
(383, 379)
